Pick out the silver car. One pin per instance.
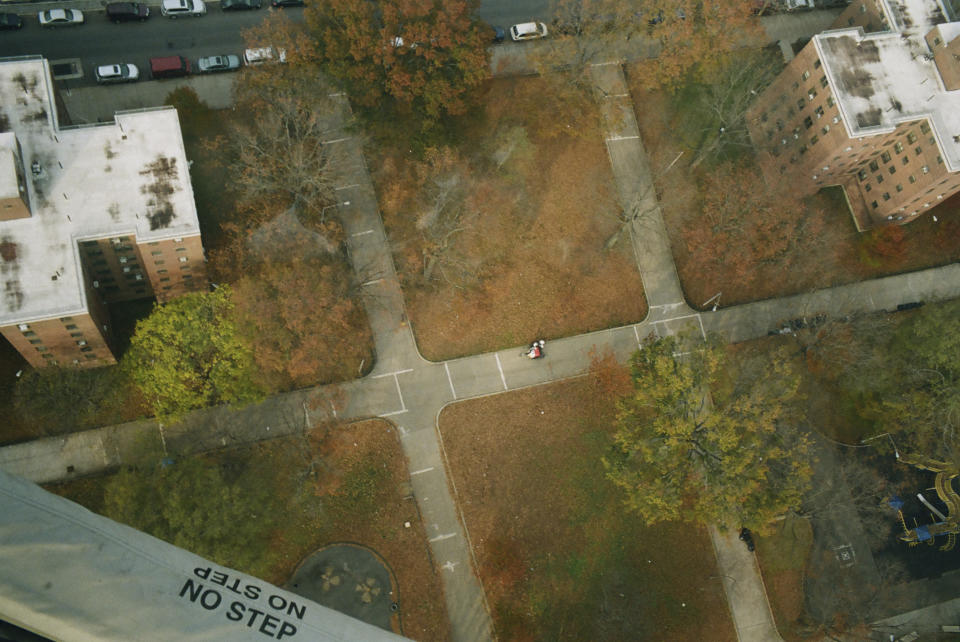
(123, 72)
(210, 64)
(60, 18)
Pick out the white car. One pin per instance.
(116, 73)
(528, 31)
(60, 18)
(260, 55)
(177, 8)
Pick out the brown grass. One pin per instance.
(783, 559)
(841, 254)
(532, 237)
(558, 556)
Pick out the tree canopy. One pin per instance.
(424, 55)
(188, 354)
(703, 438)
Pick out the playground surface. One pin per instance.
(350, 579)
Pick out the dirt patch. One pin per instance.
(558, 555)
(500, 239)
(839, 254)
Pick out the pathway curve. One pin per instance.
(411, 391)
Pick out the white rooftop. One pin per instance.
(882, 79)
(125, 178)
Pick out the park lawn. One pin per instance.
(558, 556)
(522, 236)
(783, 560)
(840, 254)
(362, 496)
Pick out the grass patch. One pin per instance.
(783, 559)
(558, 556)
(500, 238)
(348, 484)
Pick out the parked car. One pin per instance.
(169, 67)
(528, 31)
(260, 55)
(210, 64)
(286, 3)
(127, 11)
(10, 21)
(240, 5)
(60, 18)
(177, 8)
(747, 538)
(124, 72)
(499, 34)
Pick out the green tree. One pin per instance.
(705, 439)
(424, 55)
(195, 505)
(187, 354)
(917, 394)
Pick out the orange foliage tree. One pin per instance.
(426, 55)
(745, 224)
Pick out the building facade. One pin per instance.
(872, 106)
(89, 215)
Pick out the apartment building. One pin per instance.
(871, 105)
(89, 215)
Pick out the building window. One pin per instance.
(29, 333)
(66, 319)
(159, 262)
(42, 348)
(825, 131)
(181, 249)
(813, 141)
(939, 159)
(862, 175)
(885, 156)
(36, 341)
(874, 204)
(823, 81)
(925, 169)
(867, 187)
(183, 259)
(879, 178)
(874, 166)
(804, 75)
(154, 243)
(912, 179)
(898, 147)
(164, 279)
(886, 196)
(816, 64)
(893, 170)
(76, 335)
(808, 122)
(819, 112)
(157, 253)
(899, 188)
(924, 128)
(86, 349)
(71, 327)
(800, 104)
(89, 356)
(911, 138)
(830, 102)
(811, 93)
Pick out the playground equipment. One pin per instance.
(949, 524)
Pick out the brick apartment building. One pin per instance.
(89, 215)
(871, 105)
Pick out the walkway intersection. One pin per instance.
(410, 391)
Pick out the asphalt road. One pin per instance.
(99, 41)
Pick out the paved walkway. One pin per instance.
(411, 391)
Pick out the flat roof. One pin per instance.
(880, 80)
(128, 177)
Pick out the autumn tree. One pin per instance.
(421, 56)
(188, 354)
(745, 224)
(300, 314)
(706, 439)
